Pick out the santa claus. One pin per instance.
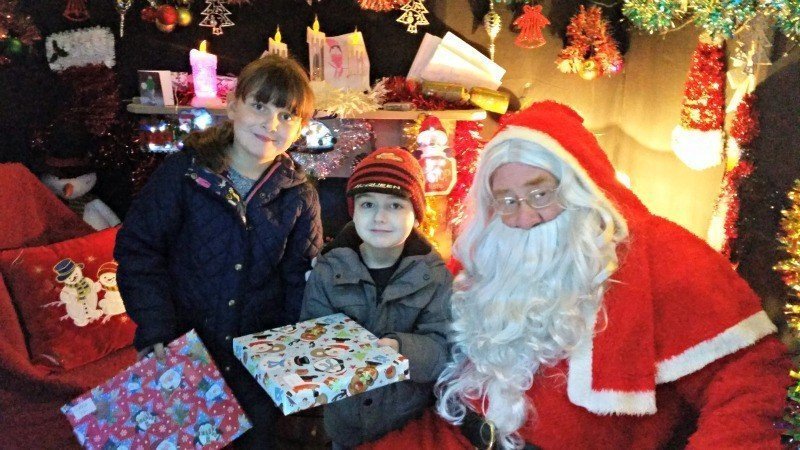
(581, 320)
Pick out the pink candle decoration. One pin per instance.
(204, 76)
(276, 47)
(316, 44)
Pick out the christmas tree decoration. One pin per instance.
(467, 145)
(413, 15)
(216, 16)
(530, 24)
(787, 16)
(591, 51)
(653, 16)
(492, 24)
(721, 18)
(76, 11)
(122, 7)
(699, 139)
(17, 32)
(381, 5)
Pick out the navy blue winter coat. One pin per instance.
(193, 254)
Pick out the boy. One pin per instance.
(385, 275)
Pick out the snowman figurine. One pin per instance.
(68, 173)
(438, 167)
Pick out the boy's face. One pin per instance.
(262, 131)
(382, 220)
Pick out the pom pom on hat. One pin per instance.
(389, 170)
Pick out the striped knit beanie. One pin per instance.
(389, 170)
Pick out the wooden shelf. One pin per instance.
(453, 114)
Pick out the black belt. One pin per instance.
(481, 432)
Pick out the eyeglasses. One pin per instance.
(536, 199)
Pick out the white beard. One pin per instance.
(529, 304)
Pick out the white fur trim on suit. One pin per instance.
(741, 335)
(604, 401)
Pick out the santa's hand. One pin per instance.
(157, 348)
(389, 342)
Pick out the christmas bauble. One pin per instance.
(588, 71)
(13, 46)
(164, 28)
(167, 15)
(148, 14)
(184, 17)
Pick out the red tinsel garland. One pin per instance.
(467, 145)
(744, 130)
(401, 89)
(745, 125)
(704, 95)
(381, 5)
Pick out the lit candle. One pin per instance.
(277, 47)
(316, 43)
(204, 76)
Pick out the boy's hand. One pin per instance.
(157, 348)
(389, 342)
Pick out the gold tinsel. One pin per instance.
(411, 131)
(428, 226)
(789, 268)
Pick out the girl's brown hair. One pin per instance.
(271, 79)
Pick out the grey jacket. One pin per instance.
(414, 310)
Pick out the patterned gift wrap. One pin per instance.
(182, 402)
(318, 361)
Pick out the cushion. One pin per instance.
(67, 298)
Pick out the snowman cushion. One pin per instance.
(68, 301)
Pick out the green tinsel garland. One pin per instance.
(653, 16)
(721, 18)
(787, 16)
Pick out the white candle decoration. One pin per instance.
(316, 44)
(204, 76)
(276, 47)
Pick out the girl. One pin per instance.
(221, 236)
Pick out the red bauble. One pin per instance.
(167, 15)
(148, 14)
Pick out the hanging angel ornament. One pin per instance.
(492, 23)
(530, 24)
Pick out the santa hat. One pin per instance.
(431, 122)
(560, 130)
(107, 267)
(699, 139)
(389, 170)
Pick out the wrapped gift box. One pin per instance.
(318, 361)
(182, 402)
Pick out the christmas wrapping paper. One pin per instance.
(182, 402)
(318, 361)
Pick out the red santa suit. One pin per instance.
(686, 338)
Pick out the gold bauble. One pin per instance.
(588, 71)
(184, 17)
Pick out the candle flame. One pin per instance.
(278, 35)
(355, 38)
(315, 27)
(203, 46)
